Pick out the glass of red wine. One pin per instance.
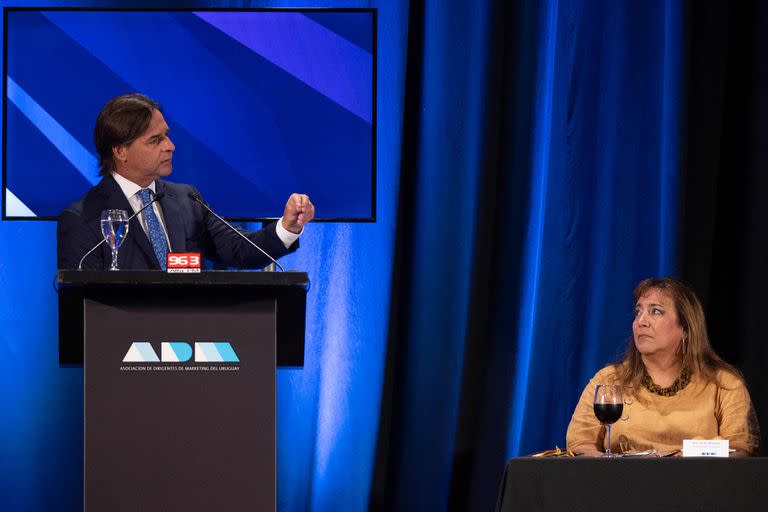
(608, 408)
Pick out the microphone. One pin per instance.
(158, 196)
(193, 195)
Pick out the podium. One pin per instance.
(179, 383)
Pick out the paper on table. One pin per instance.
(705, 448)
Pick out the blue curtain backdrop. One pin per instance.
(530, 160)
(538, 188)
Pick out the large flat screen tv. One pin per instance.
(260, 103)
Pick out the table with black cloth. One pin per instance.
(627, 484)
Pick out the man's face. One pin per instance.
(149, 156)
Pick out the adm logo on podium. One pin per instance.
(181, 352)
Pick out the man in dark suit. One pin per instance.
(135, 152)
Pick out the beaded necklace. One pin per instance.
(680, 383)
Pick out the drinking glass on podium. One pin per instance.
(114, 227)
(608, 407)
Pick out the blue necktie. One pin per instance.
(154, 229)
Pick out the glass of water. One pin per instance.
(114, 227)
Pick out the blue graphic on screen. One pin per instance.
(260, 104)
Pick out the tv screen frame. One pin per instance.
(366, 217)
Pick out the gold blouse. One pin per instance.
(650, 421)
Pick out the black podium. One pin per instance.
(179, 383)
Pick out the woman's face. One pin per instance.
(655, 329)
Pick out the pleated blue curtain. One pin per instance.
(603, 198)
(574, 123)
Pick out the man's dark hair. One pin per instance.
(120, 122)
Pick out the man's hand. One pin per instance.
(298, 211)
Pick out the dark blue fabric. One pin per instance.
(604, 173)
(190, 228)
(583, 99)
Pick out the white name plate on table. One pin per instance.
(705, 448)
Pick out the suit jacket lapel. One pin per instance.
(136, 235)
(174, 220)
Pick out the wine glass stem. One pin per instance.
(114, 259)
(608, 450)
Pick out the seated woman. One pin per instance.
(674, 385)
